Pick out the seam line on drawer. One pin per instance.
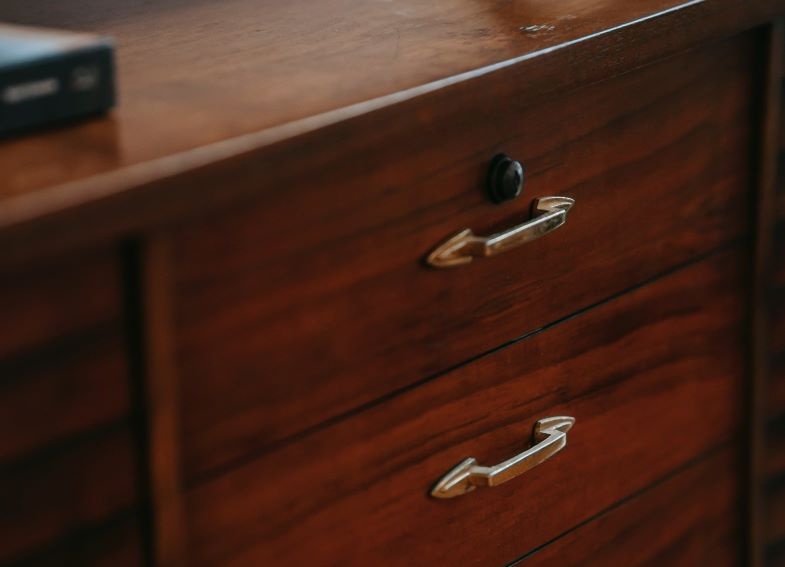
(638, 493)
(232, 464)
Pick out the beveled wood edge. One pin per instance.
(768, 147)
(129, 199)
(161, 399)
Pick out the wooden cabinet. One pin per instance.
(224, 340)
(343, 311)
(652, 379)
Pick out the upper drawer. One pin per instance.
(315, 299)
(653, 379)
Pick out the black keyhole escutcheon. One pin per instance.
(505, 179)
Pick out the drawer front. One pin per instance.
(689, 519)
(68, 463)
(63, 365)
(315, 299)
(653, 379)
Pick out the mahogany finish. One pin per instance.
(272, 340)
(645, 531)
(652, 378)
(220, 345)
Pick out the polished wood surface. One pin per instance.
(645, 530)
(338, 309)
(191, 104)
(652, 378)
(217, 296)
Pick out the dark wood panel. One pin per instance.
(116, 544)
(776, 387)
(62, 390)
(777, 307)
(769, 157)
(341, 310)
(653, 379)
(775, 510)
(73, 487)
(48, 302)
(775, 447)
(690, 519)
(777, 277)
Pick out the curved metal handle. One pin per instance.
(465, 246)
(550, 436)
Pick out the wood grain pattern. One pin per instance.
(62, 391)
(340, 310)
(653, 379)
(192, 105)
(45, 302)
(73, 487)
(646, 531)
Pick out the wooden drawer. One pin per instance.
(315, 300)
(68, 457)
(690, 519)
(653, 379)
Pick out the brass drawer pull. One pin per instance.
(550, 437)
(465, 246)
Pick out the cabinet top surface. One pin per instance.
(199, 81)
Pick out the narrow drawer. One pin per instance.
(653, 380)
(63, 360)
(315, 299)
(690, 519)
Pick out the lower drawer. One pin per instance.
(689, 519)
(653, 379)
